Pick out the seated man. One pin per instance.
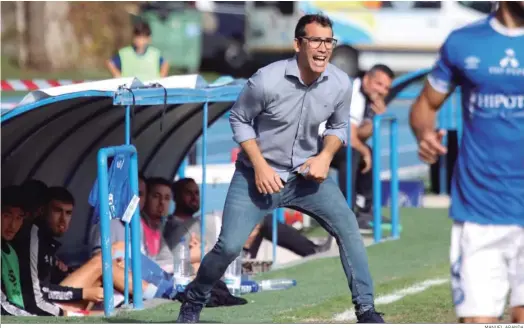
(156, 208)
(287, 237)
(183, 223)
(12, 219)
(367, 100)
(47, 288)
(151, 271)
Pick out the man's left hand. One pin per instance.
(317, 168)
(378, 105)
(61, 266)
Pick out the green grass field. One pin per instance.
(322, 292)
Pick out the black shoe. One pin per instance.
(364, 225)
(370, 316)
(324, 246)
(189, 313)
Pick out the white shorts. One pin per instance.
(486, 262)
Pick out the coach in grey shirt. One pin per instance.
(276, 120)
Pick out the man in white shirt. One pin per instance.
(368, 99)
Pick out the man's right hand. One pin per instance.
(378, 105)
(267, 180)
(93, 294)
(430, 146)
(194, 241)
(366, 156)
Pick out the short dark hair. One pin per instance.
(155, 181)
(141, 28)
(34, 193)
(181, 184)
(60, 194)
(384, 69)
(141, 176)
(12, 196)
(300, 29)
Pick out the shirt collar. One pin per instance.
(46, 230)
(135, 49)
(292, 70)
(502, 29)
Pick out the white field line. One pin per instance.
(349, 315)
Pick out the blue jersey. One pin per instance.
(120, 193)
(486, 60)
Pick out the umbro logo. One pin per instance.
(471, 62)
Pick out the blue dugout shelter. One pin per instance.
(54, 135)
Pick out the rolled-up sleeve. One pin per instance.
(337, 123)
(249, 104)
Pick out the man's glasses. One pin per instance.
(315, 43)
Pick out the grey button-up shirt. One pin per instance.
(283, 114)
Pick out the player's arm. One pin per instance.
(439, 84)
(164, 67)
(43, 292)
(424, 110)
(365, 130)
(9, 308)
(114, 66)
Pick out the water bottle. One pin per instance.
(233, 276)
(248, 286)
(181, 266)
(276, 284)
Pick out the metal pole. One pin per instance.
(126, 224)
(394, 183)
(204, 181)
(274, 234)
(349, 170)
(377, 192)
(135, 237)
(105, 238)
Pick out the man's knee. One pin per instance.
(228, 249)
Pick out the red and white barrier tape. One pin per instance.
(31, 85)
(7, 106)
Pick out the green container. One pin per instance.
(179, 37)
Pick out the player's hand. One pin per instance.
(93, 294)
(366, 157)
(267, 180)
(194, 241)
(120, 262)
(195, 251)
(378, 105)
(61, 266)
(316, 168)
(430, 146)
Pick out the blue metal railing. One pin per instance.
(377, 186)
(105, 235)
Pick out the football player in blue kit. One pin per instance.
(486, 60)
